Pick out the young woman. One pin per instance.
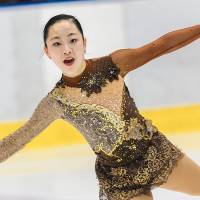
(133, 156)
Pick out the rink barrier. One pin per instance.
(170, 121)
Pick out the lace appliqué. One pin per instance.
(92, 82)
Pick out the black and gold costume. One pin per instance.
(132, 155)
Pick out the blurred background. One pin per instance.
(58, 164)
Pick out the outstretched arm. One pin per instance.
(130, 59)
(46, 112)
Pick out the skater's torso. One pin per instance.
(99, 105)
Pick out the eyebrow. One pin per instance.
(57, 37)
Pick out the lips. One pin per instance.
(69, 61)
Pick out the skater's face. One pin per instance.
(66, 47)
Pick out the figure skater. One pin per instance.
(132, 155)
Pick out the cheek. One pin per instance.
(80, 51)
(55, 55)
(80, 48)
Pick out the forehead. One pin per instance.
(62, 28)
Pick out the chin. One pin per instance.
(69, 73)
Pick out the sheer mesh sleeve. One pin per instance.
(46, 112)
(132, 58)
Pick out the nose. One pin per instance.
(67, 50)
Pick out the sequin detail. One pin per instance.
(115, 140)
(140, 176)
(132, 155)
(104, 129)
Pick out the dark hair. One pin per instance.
(57, 18)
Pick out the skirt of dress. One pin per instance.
(139, 176)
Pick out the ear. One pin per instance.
(47, 52)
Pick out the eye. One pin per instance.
(73, 40)
(56, 44)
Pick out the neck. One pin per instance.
(81, 70)
(73, 81)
